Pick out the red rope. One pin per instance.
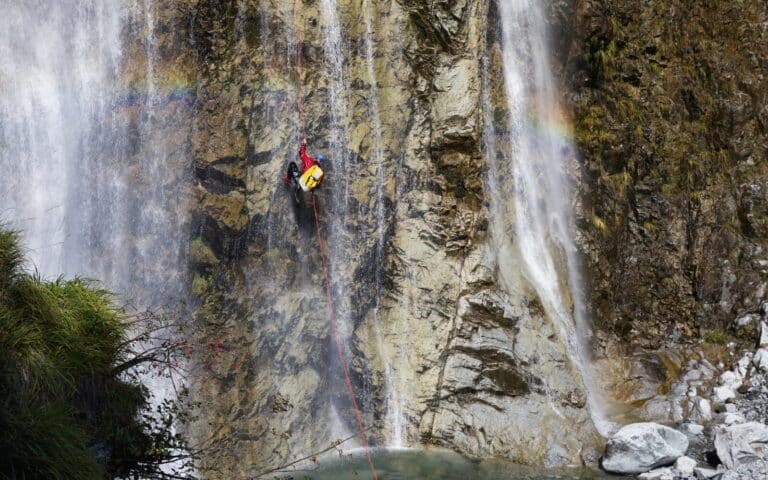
(339, 348)
(331, 314)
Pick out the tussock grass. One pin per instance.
(67, 409)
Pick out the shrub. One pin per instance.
(71, 403)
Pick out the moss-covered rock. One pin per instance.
(667, 104)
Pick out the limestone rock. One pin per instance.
(738, 444)
(762, 341)
(733, 418)
(703, 410)
(684, 466)
(729, 383)
(745, 320)
(760, 360)
(706, 473)
(724, 393)
(692, 429)
(639, 447)
(731, 475)
(455, 108)
(658, 474)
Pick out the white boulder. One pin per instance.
(760, 360)
(640, 447)
(762, 341)
(729, 383)
(702, 411)
(743, 366)
(733, 418)
(684, 466)
(693, 429)
(739, 444)
(723, 393)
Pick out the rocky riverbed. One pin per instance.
(721, 427)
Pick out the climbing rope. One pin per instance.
(339, 348)
(331, 313)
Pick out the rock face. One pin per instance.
(741, 444)
(440, 352)
(671, 123)
(447, 341)
(640, 447)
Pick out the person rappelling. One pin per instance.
(310, 175)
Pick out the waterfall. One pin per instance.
(541, 202)
(60, 60)
(84, 152)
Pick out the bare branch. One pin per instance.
(283, 468)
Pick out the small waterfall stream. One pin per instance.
(376, 154)
(338, 196)
(541, 202)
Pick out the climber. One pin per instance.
(310, 176)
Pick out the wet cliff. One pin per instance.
(441, 353)
(451, 338)
(669, 105)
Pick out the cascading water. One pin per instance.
(60, 63)
(541, 200)
(338, 206)
(393, 400)
(339, 105)
(84, 150)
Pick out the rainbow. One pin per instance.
(169, 85)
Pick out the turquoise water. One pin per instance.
(429, 465)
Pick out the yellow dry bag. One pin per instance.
(311, 179)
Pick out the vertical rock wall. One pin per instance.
(670, 107)
(440, 353)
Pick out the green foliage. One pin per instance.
(716, 337)
(71, 406)
(11, 256)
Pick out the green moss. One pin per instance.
(650, 226)
(716, 337)
(619, 182)
(598, 223)
(591, 131)
(200, 285)
(201, 254)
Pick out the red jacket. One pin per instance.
(305, 159)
